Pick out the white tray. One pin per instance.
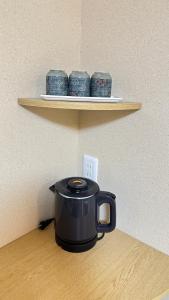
(80, 99)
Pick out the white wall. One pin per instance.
(37, 146)
(130, 40)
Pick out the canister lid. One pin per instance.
(76, 187)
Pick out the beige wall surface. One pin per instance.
(130, 40)
(37, 147)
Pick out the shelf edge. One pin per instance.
(34, 102)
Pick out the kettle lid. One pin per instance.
(75, 187)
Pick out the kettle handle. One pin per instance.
(106, 197)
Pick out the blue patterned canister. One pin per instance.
(101, 84)
(79, 84)
(57, 83)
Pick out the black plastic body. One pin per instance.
(77, 219)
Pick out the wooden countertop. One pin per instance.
(118, 267)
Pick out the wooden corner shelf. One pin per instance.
(79, 105)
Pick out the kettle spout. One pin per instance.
(52, 188)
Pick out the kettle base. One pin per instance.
(76, 247)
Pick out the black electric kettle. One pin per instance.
(77, 213)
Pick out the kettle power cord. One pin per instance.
(43, 224)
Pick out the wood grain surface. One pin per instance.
(79, 105)
(118, 267)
